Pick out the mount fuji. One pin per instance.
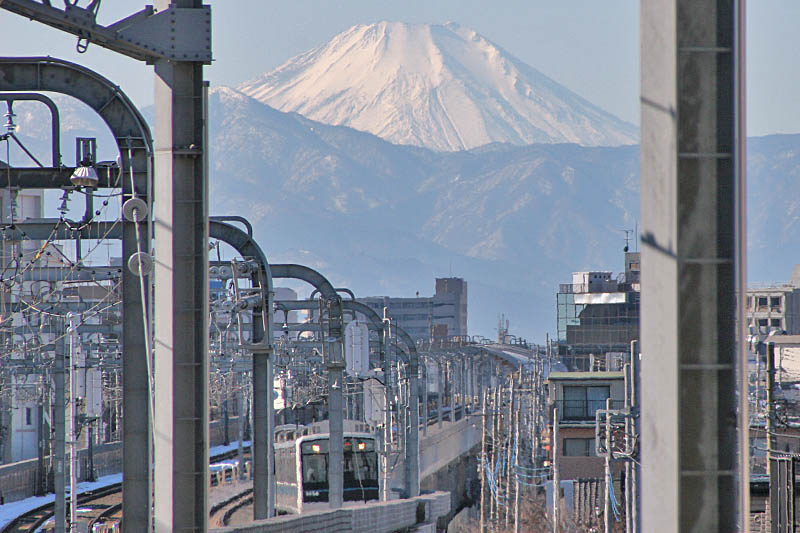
(442, 87)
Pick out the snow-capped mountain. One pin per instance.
(442, 87)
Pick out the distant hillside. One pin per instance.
(386, 219)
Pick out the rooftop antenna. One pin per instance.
(628, 233)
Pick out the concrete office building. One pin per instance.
(423, 317)
(775, 307)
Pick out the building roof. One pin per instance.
(581, 376)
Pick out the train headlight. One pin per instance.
(315, 448)
(362, 445)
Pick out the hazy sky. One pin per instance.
(590, 46)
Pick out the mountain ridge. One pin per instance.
(514, 221)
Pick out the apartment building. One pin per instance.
(577, 396)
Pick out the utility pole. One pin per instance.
(770, 422)
(387, 401)
(556, 477)
(608, 480)
(61, 437)
(636, 418)
(516, 471)
(72, 437)
(493, 510)
(509, 447)
(628, 441)
(483, 460)
(440, 381)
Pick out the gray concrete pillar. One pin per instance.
(689, 437)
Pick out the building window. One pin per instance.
(762, 322)
(775, 302)
(580, 403)
(28, 417)
(578, 447)
(762, 301)
(775, 322)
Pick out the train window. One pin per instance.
(315, 468)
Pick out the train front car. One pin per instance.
(310, 458)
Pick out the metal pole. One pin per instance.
(181, 292)
(556, 477)
(483, 460)
(61, 438)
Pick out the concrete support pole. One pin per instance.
(412, 445)
(181, 293)
(60, 450)
(690, 266)
(240, 411)
(263, 408)
(556, 445)
(260, 440)
(336, 424)
(451, 383)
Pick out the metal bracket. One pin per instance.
(177, 34)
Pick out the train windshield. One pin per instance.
(315, 468)
(361, 466)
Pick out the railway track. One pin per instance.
(222, 512)
(97, 507)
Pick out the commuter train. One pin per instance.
(301, 471)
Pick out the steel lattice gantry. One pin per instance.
(174, 36)
(135, 145)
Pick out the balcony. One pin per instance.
(583, 410)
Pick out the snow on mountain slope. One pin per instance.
(443, 87)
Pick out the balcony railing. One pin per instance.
(583, 410)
